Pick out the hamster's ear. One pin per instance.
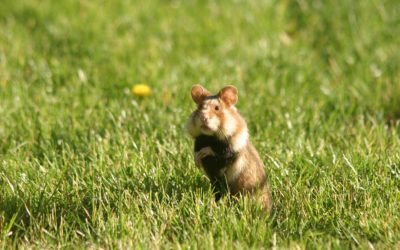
(229, 95)
(199, 93)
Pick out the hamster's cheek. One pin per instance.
(229, 126)
(213, 123)
(192, 127)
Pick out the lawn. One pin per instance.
(85, 164)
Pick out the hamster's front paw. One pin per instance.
(199, 155)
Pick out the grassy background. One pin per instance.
(83, 163)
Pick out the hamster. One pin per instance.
(222, 147)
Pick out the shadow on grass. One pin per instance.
(47, 214)
(83, 209)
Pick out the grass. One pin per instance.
(84, 164)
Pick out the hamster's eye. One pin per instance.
(216, 108)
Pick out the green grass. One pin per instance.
(83, 163)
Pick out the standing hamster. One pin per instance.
(222, 147)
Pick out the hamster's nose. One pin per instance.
(203, 119)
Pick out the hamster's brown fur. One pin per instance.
(222, 146)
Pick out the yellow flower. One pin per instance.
(141, 90)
